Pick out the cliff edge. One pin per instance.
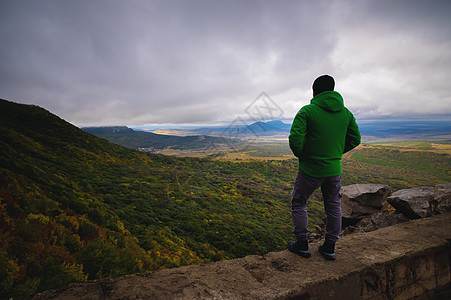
(405, 261)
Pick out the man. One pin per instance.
(321, 132)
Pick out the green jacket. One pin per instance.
(321, 132)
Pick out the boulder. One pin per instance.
(376, 221)
(361, 200)
(442, 201)
(418, 203)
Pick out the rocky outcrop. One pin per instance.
(364, 206)
(418, 203)
(360, 200)
(376, 221)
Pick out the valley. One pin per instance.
(279, 150)
(269, 140)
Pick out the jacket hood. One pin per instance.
(330, 101)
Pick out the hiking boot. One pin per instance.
(327, 250)
(299, 247)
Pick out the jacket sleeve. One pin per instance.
(352, 135)
(298, 132)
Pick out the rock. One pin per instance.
(418, 203)
(377, 221)
(443, 199)
(360, 200)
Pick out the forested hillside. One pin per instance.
(75, 207)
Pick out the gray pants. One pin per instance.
(304, 186)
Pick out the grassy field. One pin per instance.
(442, 148)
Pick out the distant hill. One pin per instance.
(127, 137)
(241, 130)
(106, 130)
(275, 127)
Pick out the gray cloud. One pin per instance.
(137, 62)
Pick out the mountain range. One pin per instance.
(425, 130)
(204, 138)
(241, 130)
(371, 130)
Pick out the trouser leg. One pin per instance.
(300, 219)
(332, 205)
(304, 186)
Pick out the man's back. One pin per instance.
(321, 132)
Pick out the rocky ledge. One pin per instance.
(410, 260)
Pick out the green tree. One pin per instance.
(102, 259)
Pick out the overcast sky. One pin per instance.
(136, 62)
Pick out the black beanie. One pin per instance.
(322, 84)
